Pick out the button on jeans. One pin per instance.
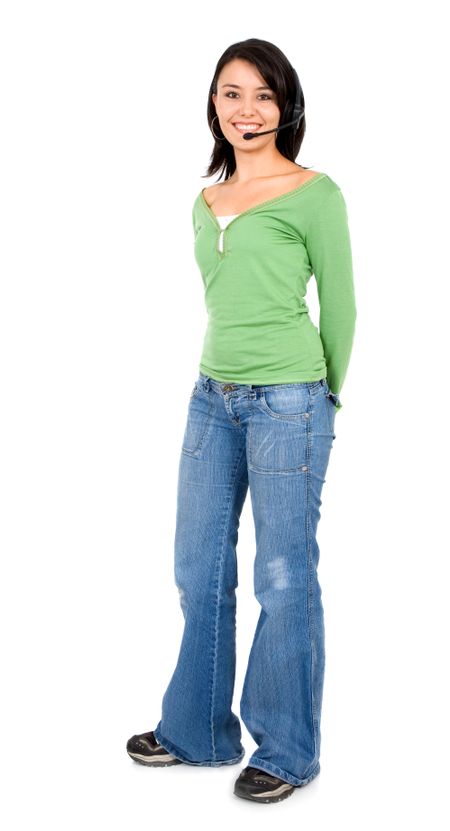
(275, 439)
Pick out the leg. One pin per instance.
(197, 724)
(289, 444)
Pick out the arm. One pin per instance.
(328, 244)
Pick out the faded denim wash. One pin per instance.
(277, 440)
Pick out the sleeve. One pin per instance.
(329, 249)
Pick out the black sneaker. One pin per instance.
(146, 750)
(260, 786)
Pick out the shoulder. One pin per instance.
(211, 192)
(327, 210)
(325, 196)
(327, 184)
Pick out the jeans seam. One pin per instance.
(308, 549)
(219, 586)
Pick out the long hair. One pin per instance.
(279, 76)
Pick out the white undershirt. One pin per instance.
(223, 222)
(226, 219)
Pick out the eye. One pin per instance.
(265, 95)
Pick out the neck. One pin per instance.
(257, 163)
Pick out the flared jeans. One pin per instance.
(275, 439)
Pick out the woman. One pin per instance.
(261, 416)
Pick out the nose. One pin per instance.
(247, 109)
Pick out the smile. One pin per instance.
(245, 128)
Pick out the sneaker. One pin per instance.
(146, 750)
(260, 786)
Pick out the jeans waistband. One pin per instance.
(223, 387)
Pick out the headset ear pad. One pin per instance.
(297, 110)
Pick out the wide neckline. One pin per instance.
(271, 201)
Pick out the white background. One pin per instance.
(104, 142)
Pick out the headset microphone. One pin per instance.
(264, 133)
(297, 113)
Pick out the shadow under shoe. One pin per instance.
(145, 749)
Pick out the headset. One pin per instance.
(297, 112)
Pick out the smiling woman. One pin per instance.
(267, 98)
(261, 416)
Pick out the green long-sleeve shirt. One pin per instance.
(259, 329)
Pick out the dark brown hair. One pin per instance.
(279, 76)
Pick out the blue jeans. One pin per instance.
(277, 440)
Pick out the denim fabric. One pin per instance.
(277, 440)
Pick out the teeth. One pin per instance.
(245, 127)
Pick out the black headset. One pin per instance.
(297, 112)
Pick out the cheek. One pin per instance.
(274, 112)
(226, 108)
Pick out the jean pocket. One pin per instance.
(197, 422)
(286, 401)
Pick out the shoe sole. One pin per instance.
(265, 797)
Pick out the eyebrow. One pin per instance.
(236, 86)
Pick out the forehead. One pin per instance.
(239, 74)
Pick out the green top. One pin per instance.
(259, 330)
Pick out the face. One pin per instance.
(243, 98)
